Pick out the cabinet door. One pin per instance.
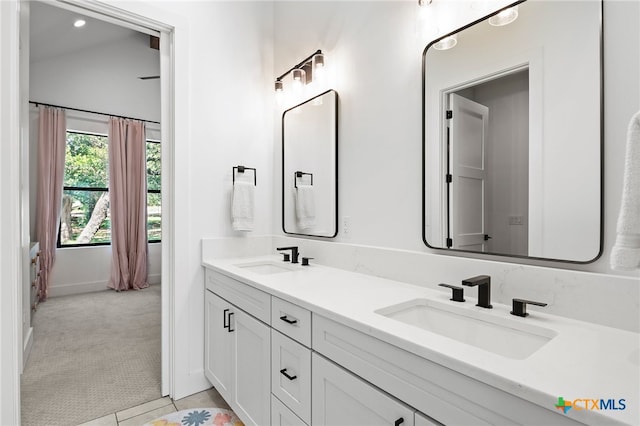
(340, 398)
(282, 416)
(252, 368)
(218, 349)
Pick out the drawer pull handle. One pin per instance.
(398, 422)
(284, 373)
(287, 320)
(225, 321)
(229, 329)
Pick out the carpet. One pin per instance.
(198, 417)
(93, 354)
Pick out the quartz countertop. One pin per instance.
(583, 361)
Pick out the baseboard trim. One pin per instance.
(90, 287)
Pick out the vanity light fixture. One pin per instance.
(303, 73)
(446, 43)
(78, 23)
(504, 17)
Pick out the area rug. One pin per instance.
(198, 417)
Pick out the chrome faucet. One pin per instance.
(484, 289)
(294, 252)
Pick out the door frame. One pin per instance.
(11, 133)
(534, 65)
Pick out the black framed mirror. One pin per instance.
(513, 134)
(310, 167)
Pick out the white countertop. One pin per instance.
(584, 360)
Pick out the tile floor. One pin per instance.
(141, 414)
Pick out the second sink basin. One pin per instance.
(266, 267)
(503, 336)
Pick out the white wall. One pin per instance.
(99, 79)
(96, 79)
(377, 51)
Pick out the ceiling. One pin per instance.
(52, 32)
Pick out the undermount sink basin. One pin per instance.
(503, 336)
(266, 267)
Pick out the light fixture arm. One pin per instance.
(303, 62)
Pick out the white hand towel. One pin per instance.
(625, 254)
(242, 206)
(305, 206)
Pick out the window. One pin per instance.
(85, 218)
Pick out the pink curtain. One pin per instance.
(52, 134)
(128, 199)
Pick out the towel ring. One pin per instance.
(241, 169)
(299, 174)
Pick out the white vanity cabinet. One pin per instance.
(238, 358)
(276, 362)
(340, 398)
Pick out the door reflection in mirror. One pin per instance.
(526, 180)
(488, 161)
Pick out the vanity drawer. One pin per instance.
(247, 298)
(291, 320)
(282, 416)
(291, 374)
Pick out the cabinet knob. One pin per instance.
(285, 374)
(398, 422)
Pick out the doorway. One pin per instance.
(165, 33)
(488, 161)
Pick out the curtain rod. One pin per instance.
(91, 112)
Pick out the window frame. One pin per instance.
(59, 244)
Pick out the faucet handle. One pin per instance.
(457, 294)
(519, 306)
(286, 257)
(305, 261)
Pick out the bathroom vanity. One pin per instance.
(315, 345)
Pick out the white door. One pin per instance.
(252, 368)
(468, 130)
(341, 399)
(218, 350)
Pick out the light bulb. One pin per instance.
(319, 69)
(299, 79)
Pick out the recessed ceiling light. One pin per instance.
(79, 23)
(446, 43)
(505, 17)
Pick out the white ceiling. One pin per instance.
(52, 32)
